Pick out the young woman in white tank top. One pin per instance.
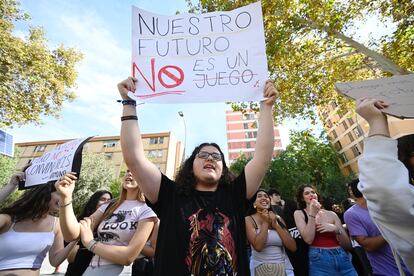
(28, 232)
(122, 228)
(267, 239)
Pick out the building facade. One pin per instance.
(346, 131)
(161, 148)
(242, 132)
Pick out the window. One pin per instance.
(155, 153)
(40, 148)
(109, 144)
(343, 158)
(356, 151)
(358, 131)
(248, 116)
(350, 136)
(334, 134)
(334, 105)
(156, 140)
(350, 121)
(329, 123)
(344, 125)
(248, 145)
(245, 125)
(338, 146)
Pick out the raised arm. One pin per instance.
(68, 222)
(13, 183)
(11, 186)
(256, 168)
(146, 173)
(384, 182)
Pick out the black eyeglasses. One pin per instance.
(204, 155)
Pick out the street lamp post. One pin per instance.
(185, 134)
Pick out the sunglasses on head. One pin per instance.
(204, 155)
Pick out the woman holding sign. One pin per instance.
(122, 228)
(202, 227)
(28, 232)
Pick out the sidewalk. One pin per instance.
(47, 269)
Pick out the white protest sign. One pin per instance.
(210, 57)
(52, 165)
(397, 91)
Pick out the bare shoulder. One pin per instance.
(5, 222)
(298, 213)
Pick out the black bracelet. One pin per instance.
(130, 117)
(128, 102)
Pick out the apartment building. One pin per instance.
(161, 148)
(346, 131)
(242, 132)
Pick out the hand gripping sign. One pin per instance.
(52, 165)
(188, 58)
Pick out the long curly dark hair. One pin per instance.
(186, 179)
(33, 204)
(90, 206)
(299, 195)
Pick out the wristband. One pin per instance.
(130, 117)
(91, 245)
(128, 102)
(65, 205)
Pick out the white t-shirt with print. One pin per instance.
(120, 227)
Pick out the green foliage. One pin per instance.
(34, 80)
(96, 174)
(7, 169)
(115, 188)
(307, 159)
(308, 50)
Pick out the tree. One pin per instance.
(7, 168)
(308, 48)
(307, 159)
(34, 80)
(96, 174)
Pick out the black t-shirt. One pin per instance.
(299, 258)
(203, 233)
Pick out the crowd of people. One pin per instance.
(200, 222)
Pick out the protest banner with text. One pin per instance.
(397, 91)
(210, 57)
(54, 164)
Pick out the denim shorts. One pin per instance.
(330, 262)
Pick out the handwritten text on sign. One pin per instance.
(211, 57)
(54, 164)
(397, 92)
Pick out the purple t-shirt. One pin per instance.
(359, 223)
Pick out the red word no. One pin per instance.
(169, 72)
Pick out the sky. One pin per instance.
(101, 30)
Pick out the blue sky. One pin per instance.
(101, 30)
